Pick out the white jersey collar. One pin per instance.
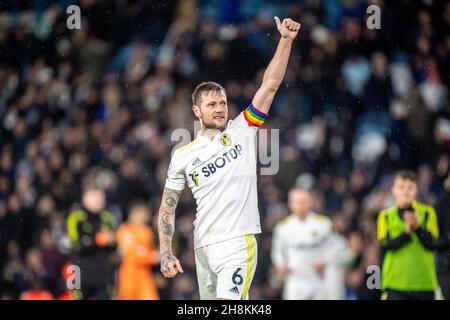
(203, 138)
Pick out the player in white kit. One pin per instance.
(307, 253)
(219, 167)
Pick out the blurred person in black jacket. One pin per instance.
(91, 230)
(443, 243)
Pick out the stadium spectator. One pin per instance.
(35, 276)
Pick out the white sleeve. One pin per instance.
(344, 254)
(249, 120)
(327, 247)
(175, 174)
(337, 251)
(277, 253)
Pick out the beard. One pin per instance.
(213, 126)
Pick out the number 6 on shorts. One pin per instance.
(237, 278)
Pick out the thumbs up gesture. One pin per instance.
(288, 28)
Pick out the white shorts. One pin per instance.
(225, 269)
(302, 289)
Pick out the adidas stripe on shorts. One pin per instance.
(225, 269)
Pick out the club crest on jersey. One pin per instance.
(225, 139)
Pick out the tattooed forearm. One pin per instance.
(166, 223)
(166, 219)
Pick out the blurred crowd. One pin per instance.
(99, 105)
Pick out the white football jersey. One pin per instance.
(221, 174)
(300, 244)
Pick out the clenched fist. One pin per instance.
(288, 28)
(170, 265)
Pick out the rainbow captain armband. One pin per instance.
(254, 117)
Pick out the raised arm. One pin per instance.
(274, 74)
(170, 265)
